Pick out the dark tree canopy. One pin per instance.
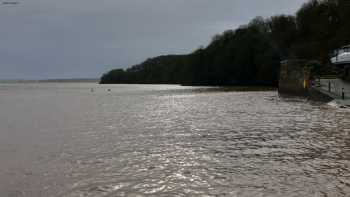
(251, 54)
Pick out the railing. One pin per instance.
(334, 86)
(329, 77)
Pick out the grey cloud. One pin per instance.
(84, 38)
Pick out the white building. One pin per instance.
(341, 56)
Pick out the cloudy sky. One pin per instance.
(84, 38)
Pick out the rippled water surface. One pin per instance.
(81, 140)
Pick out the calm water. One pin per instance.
(64, 140)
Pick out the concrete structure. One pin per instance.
(294, 77)
(336, 89)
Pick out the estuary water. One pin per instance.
(89, 140)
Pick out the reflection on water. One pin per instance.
(64, 140)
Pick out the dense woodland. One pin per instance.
(251, 54)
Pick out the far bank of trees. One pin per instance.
(251, 54)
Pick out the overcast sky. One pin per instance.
(84, 38)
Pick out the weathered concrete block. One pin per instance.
(294, 77)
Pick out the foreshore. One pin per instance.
(336, 90)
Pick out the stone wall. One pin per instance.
(294, 77)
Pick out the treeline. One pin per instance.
(251, 54)
(158, 70)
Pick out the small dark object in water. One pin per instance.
(151, 168)
(109, 90)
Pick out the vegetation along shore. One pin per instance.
(251, 54)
